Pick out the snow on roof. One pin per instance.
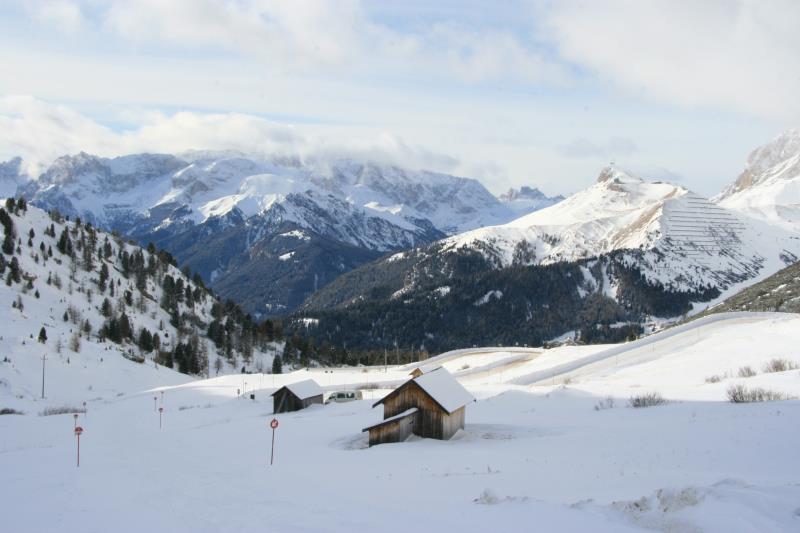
(394, 418)
(304, 389)
(445, 389)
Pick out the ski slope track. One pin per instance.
(645, 349)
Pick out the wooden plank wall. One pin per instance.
(432, 421)
(312, 400)
(395, 431)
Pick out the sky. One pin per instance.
(511, 92)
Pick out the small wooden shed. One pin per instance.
(296, 396)
(430, 405)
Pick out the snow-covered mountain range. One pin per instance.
(245, 222)
(690, 241)
(624, 250)
(162, 190)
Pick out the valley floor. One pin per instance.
(550, 444)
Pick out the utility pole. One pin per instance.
(44, 358)
(385, 369)
(396, 352)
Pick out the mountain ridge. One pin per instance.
(350, 213)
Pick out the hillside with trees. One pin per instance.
(779, 292)
(74, 289)
(457, 301)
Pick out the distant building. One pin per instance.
(296, 396)
(430, 405)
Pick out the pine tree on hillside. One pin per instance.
(277, 365)
(15, 272)
(105, 308)
(64, 243)
(145, 341)
(103, 277)
(125, 330)
(42, 335)
(8, 244)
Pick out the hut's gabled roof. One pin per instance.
(445, 389)
(441, 386)
(302, 389)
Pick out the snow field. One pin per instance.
(530, 456)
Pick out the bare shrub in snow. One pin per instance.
(63, 410)
(75, 342)
(746, 372)
(713, 379)
(650, 399)
(605, 403)
(779, 365)
(741, 394)
(9, 411)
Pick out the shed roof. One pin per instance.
(395, 418)
(445, 389)
(302, 389)
(442, 387)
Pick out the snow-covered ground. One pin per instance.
(549, 457)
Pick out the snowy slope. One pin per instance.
(541, 455)
(769, 187)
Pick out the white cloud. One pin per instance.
(39, 132)
(736, 55)
(64, 15)
(316, 37)
(613, 147)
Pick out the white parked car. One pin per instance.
(340, 396)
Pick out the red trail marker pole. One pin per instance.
(75, 418)
(155, 403)
(273, 424)
(160, 411)
(78, 431)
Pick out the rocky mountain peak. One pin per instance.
(775, 153)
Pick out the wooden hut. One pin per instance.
(296, 396)
(430, 405)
